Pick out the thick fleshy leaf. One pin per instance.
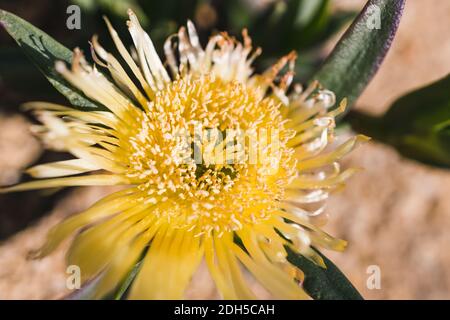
(324, 284)
(120, 294)
(361, 50)
(417, 124)
(44, 51)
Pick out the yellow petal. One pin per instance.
(95, 247)
(271, 276)
(129, 60)
(90, 180)
(62, 168)
(106, 207)
(168, 266)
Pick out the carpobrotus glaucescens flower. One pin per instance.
(220, 164)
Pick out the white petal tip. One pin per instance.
(60, 66)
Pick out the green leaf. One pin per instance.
(44, 51)
(417, 124)
(125, 285)
(361, 50)
(323, 284)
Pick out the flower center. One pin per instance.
(215, 151)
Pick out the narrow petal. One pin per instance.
(273, 279)
(129, 60)
(90, 180)
(314, 183)
(170, 262)
(335, 155)
(230, 266)
(119, 74)
(149, 59)
(221, 280)
(62, 168)
(106, 207)
(106, 240)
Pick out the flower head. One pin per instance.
(220, 164)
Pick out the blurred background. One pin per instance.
(395, 214)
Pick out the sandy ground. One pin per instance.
(395, 214)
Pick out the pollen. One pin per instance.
(192, 147)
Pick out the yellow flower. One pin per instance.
(221, 165)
